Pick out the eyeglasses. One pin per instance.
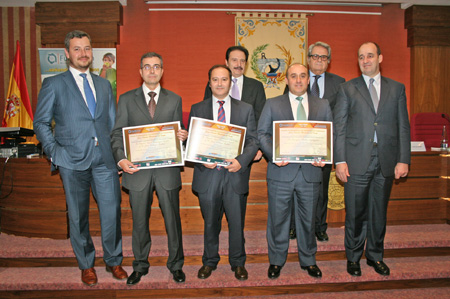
(155, 67)
(316, 57)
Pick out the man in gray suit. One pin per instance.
(324, 85)
(135, 109)
(372, 146)
(292, 181)
(83, 108)
(224, 189)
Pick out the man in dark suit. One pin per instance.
(323, 85)
(372, 146)
(83, 108)
(135, 109)
(246, 89)
(224, 189)
(292, 181)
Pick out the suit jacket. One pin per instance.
(279, 108)
(241, 115)
(73, 141)
(332, 83)
(133, 111)
(252, 93)
(355, 122)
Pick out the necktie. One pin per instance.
(373, 94)
(90, 99)
(221, 112)
(152, 103)
(235, 90)
(315, 88)
(301, 114)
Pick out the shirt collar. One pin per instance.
(377, 78)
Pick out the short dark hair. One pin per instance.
(150, 55)
(234, 48)
(75, 34)
(376, 45)
(217, 66)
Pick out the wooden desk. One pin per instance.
(36, 207)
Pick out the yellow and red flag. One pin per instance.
(18, 111)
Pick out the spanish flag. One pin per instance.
(18, 111)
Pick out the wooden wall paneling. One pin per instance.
(100, 19)
(429, 39)
(33, 223)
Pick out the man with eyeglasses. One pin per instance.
(150, 104)
(322, 85)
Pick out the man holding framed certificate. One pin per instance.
(223, 189)
(147, 105)
(292, 181)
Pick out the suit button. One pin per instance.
(375, 124)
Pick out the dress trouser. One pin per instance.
(219, 198)
(141, 204)
(105, 186)
(366, 201)
(281, 195)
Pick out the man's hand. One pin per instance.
(258, 155)
(281, 164)
(234, 166)
(401, 170)
(318, 163)
(342, 172)
(210, 165)
(182, 135)
(127, 166)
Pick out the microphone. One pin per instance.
(446, 117)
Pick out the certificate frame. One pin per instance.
(302, 142)
(140, 145)
(214, 142)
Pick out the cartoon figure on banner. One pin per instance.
(270, 71)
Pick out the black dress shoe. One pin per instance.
(322, 236)
(135, 277)
(380, 267)
(292, 234)
(274, 271)
(240, 273)
(205, 271)
(179, 276)
(313, 271)
(353, 268)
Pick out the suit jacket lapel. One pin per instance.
(161, 105)
(73, 88)
(141, 104)
(99, 95)
(361, 86)
(384, 90)
(312, 107)
(246, 88)
(235, 113)
(286, 108)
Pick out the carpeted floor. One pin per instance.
(401, 236)
(160, 278)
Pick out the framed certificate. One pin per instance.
(211, 141)
(153, 146)
(303, 141)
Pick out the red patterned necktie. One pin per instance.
(221, 112)
(152, 103)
